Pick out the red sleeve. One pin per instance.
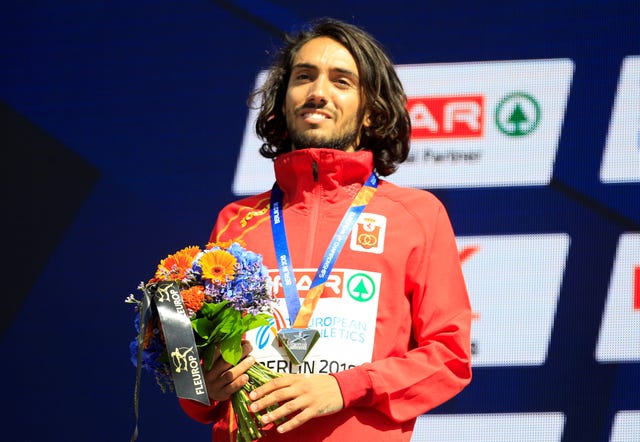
(205, 414)
(438, 367)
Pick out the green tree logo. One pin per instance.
(517, 114)
(361, 287)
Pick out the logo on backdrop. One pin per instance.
(446, 117)
(514, 285)
(488, 124)
(474, 124)
(619, 338)
(517, 114)
(621, 157)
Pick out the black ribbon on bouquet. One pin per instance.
(186, 371)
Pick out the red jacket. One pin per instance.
(401, 258)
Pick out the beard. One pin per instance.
(343, 140)
(339, 142)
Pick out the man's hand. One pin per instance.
(224, 379)
(301, 398)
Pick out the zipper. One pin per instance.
(314, 215)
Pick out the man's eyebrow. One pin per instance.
(312, 66)
(303, 66)
(347, 72)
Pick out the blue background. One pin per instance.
(121, 124)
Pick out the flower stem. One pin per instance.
(248, 422)
(247, 428)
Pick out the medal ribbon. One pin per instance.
(300, 315)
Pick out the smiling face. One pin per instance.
(323, 106)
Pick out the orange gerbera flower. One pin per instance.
(174, 267)
(193, 297)
(218, 265)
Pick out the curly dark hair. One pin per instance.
(383, 95)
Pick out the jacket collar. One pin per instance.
(332, 174)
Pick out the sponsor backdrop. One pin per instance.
(125, 129)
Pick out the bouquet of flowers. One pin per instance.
(224, 291)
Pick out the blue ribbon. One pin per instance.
(292, 298)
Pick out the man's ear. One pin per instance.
(366, 120)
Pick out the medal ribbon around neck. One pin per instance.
(300, 315)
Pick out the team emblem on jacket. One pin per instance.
(368, 233)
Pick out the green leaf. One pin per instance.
(220, 325)
(207, 353)
(225, 324)
(250, 322)
(210, 310)
(203, 327)
(231, 348)
(232, 322)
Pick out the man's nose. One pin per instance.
(318, 90)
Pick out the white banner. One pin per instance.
(514, 285)
(499, 427)
(621, 158)
(619, 338)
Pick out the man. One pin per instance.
(389, 305)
